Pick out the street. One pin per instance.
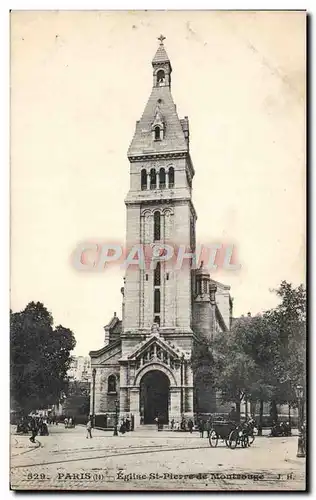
(147, 459)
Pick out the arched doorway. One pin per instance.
(154, 397)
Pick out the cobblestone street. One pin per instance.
(150, 460)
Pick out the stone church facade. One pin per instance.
(145, 364)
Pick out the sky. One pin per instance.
(79, 82)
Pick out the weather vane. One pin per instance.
(161, 38)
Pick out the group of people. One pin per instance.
(35, 424)
(125, 425)
(69, 422)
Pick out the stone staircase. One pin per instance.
(147, 427)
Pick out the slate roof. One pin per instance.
(174, 139)
(161, 55)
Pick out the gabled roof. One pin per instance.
(164, 344)
(174, 139)
(105, 349)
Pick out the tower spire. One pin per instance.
(161, 65)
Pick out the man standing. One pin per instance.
(190, 426)
(201, 428)
(34, 430)
(89, 429)
(208, 427)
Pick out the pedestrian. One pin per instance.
(123, 427)
(89, 429)
(44, 430)
(172, 423)
(66, 422)
(128, 424)
(190, 426)
(157, 422)
(201, 428)
(34, 430)
(70, 422)
(208, 427)
(183, 424)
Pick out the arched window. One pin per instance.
(162, 178)
(161, 77)
(157, 301)
(153, 179)
(112, 383)
(156, 226)
(157, 274)
(143, 179)
(171, 177)
(157, 133)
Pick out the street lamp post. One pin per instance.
(116, 418)
(301, 452)
(93, 396)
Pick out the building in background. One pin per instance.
(80, 369)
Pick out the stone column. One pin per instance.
(175, 399)
(167, 180)
(189, 391)
(148, 181)
(157, 180)
(134, 404)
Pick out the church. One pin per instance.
(145, 368)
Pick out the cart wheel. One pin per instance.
(233, 439)
(245, 441)
(213, 438)
(227, 442)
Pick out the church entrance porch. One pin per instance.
(154, 397)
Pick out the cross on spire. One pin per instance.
(161, 38)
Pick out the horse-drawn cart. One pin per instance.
(231, 433)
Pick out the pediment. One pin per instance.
(155, 348)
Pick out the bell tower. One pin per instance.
(162, 66)
(160, 210)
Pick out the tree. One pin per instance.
(290, 318)
(263, 358)
(260, 342)
(234, 369)
(40, 358)
(78, 398)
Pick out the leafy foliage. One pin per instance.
(263, 358)
(40, 358)
(78, 398)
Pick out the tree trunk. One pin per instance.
(274, 411)
(238, 410)
(290, 414)
(260, 418)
